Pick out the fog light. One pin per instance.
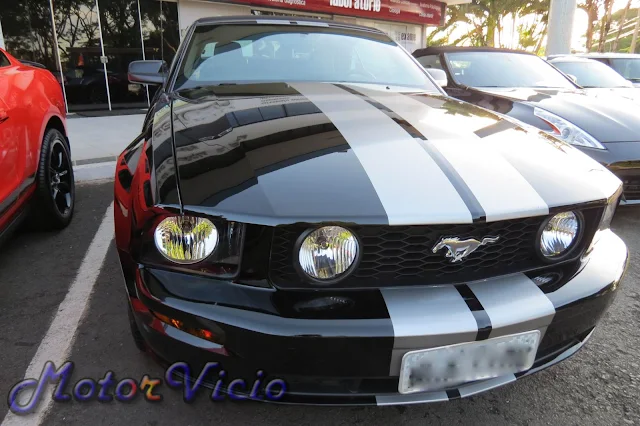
(186, 239)
(327, 253)
(559, 235)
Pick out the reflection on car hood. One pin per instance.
(312, 152)
(611, 120)
(613, 94)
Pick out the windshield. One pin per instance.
(285, 53)
(504, 69)
(592, 74)
(629, 68)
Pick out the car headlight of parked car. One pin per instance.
(186, 239)
(327, 254)
(567, 131)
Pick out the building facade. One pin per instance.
(88, 44)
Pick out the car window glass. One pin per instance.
(282, 53)
(504, 69)
(430, 61)
(628, 68)
(592, 74)
(4, 61)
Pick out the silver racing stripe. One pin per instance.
(501, 190)
(463, 392)
(485, 385)
(514, 304)
(411, 186)
(536, 158)
(415, 398)
(426, 317)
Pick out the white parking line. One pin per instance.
(57, 343)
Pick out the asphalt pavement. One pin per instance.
(599, 385)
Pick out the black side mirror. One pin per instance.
(147, 72)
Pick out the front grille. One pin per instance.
(402, 255)
(631, 189)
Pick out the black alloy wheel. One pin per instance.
(55, 193)
(60, 177)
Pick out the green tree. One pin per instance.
(486, 18)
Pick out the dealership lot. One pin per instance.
(598, 386)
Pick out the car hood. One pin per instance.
(608, 120)
(615, 93)
(317, 152)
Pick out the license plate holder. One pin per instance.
(447, 366)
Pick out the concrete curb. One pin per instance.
(94, 171)
(94, 160)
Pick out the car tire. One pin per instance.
(135, 332)
(55, 185)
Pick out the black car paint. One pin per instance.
(261, 333)
(257, 326)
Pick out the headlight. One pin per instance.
(327, 253)
(567, 131)
(559, 235)
(186, 239)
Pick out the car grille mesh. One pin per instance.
(402, 255)
(631, 189)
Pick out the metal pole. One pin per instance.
(55, 43)
(104, 63)
(144, 56)
(1, 37)
(560, 31)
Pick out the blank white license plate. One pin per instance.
(448, 366)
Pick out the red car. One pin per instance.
(36, 175)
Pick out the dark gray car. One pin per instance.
(528, 88)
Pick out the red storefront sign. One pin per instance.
(428, 12)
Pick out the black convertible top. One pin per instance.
(281, 20)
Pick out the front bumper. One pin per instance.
(354, 358)
(623, 160)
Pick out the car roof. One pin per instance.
(282, 20)
(556, 58)
(436, 50)
(608, 55)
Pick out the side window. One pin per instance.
(4, 61)
(430, 61)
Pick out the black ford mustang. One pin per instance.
(304, 201)
(526, 87)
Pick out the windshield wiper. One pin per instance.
(205, 86)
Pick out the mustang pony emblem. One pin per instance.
(457, 250)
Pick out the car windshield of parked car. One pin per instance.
(219, 54)
(592, 74)
(628, 68)
(504, 69)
